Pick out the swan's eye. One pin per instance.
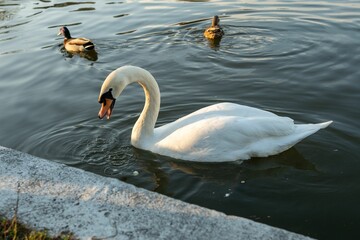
(102, 99)
(107, 95)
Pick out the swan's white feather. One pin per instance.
(226, 131)
(217, 133)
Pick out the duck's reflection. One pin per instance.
(214, 43)
(90, 55)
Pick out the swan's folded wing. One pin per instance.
(263, 127)
(230, 109)
(218, 137)
(220, 110)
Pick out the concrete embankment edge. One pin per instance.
(60, 199)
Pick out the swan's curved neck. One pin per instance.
(144, 126)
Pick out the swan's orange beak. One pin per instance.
(106, 108)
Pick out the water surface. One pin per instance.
(294, 58)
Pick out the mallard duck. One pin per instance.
(214, 31)
(217, 133)
(75, 44)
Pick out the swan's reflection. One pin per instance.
(164, 171)
(248, 169)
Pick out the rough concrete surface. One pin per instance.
(60, 199)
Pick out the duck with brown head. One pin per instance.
(214, 31)
(75, 44)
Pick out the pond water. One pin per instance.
(294, 58)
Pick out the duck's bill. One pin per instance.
(106, 108)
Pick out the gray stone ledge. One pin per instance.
(60, 198)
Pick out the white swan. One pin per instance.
(217, 133)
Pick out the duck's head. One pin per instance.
(65, 32)
(215, 21)
(112, 87)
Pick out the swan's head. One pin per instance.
(112, 87)
(117, 80)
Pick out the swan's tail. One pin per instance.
(280, 144)
(308, 129)
(324, 124)
(304, 130)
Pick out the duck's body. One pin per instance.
(75, 44)
(217, 133)
(214, 31)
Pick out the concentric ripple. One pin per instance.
(294, 58)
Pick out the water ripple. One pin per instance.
(297, 59)
(64, 4)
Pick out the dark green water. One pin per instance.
(295, 58)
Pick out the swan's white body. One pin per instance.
(217, 133)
